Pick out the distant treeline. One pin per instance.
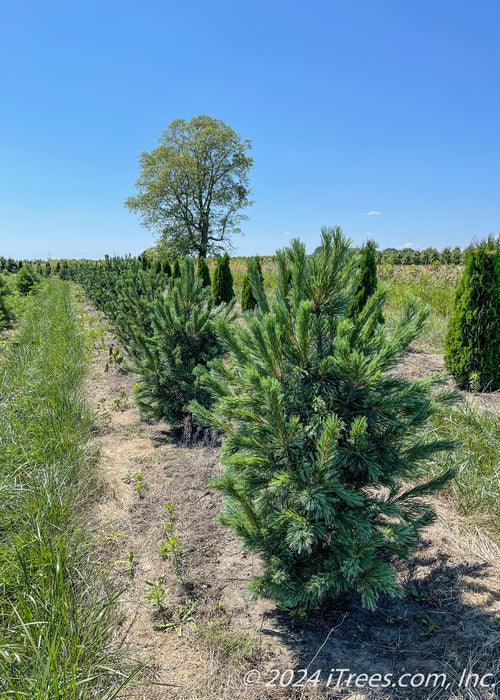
(391, 256)
(428, 256)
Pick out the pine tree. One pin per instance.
(183, 340)
(248, 301)
(368, 278)
(472, 345)
(26, 279)
(203, 273)
(176, 269)
(5, 309)
(223, 281)
(320, 443)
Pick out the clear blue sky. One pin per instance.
(352, 107)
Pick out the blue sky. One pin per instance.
(352, 107)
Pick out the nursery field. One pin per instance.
(115, 571)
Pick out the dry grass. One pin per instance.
(456, 575)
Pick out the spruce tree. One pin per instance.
(223, 281)
(248, 301)
(320, 442)
(176, 269)
(183, 340)
(368, 277)
(203, 273)
(472, 345)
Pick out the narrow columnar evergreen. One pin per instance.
(176, 269)
(472, 346)
(203, 273)
(321, 444)
(166, 268)
(223, 281)
(368, 277)
(248, 301)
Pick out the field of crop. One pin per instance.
(110, 556)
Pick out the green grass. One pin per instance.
(57, 606)
(435, 285)
(476, 489)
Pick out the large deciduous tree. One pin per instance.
(193, 187)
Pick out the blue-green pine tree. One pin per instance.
(184, 339)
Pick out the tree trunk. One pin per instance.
(202, 249)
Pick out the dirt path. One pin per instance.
(443, 625)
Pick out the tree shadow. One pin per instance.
(428, 638)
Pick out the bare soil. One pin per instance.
(442, 625)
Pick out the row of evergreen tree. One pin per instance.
(427, 256)
(320, 442)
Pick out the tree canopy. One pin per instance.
(193, 187)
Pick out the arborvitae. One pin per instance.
(223, 281)
(203, 273)
(248, 301)
(183, 340)
(58, 267)
(166, 268)
(64, 270)
(176, 269)
(321, 443)
(158, 266)
(368, 277)
(472, 346)
(48, 269)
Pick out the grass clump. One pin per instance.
(56, 606)
(476, 488)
